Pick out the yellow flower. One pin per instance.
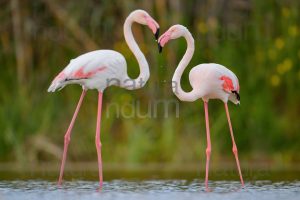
(285, 12)
(287, 64)
(293, 31)
(202, 28)
(280, 68)
(279, 43)
(272, 54)
(275, 80)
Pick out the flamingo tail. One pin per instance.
(58, 83)
(56, 86)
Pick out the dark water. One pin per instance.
(149, 189)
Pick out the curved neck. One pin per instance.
(176, 85)
(143, 77)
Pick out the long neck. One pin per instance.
(176, 85)
(128, 83)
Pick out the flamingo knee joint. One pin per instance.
(67, 139)
(208, 151)
(98, 144)
(234, 150)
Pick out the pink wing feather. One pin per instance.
(74, 72)
(227, 84)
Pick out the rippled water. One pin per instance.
(152, 189)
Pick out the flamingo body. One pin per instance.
(214, 81)
(93, 70)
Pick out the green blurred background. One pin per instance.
(258, 40)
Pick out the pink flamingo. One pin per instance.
(209, 81)
(100, 69)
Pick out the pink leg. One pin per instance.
(208, 149)
(97, 139)
(68, 138)
(234, 147)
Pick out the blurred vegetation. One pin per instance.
(258, 40)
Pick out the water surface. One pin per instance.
(148, 189)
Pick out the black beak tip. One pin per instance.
(159, 48)
(156, 35)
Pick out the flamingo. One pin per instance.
(209, 81)
(100, 69)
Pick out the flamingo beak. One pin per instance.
(156, 35)
(163, 40)
(159, 48)
(153, 25)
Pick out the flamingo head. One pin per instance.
(172, 33)
(142, 17)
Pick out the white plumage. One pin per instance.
(206, 81)
(102, 69)
(209, 81)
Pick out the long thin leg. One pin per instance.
(97, 139)
(208, 149)
(68, 138)
(234, 147)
